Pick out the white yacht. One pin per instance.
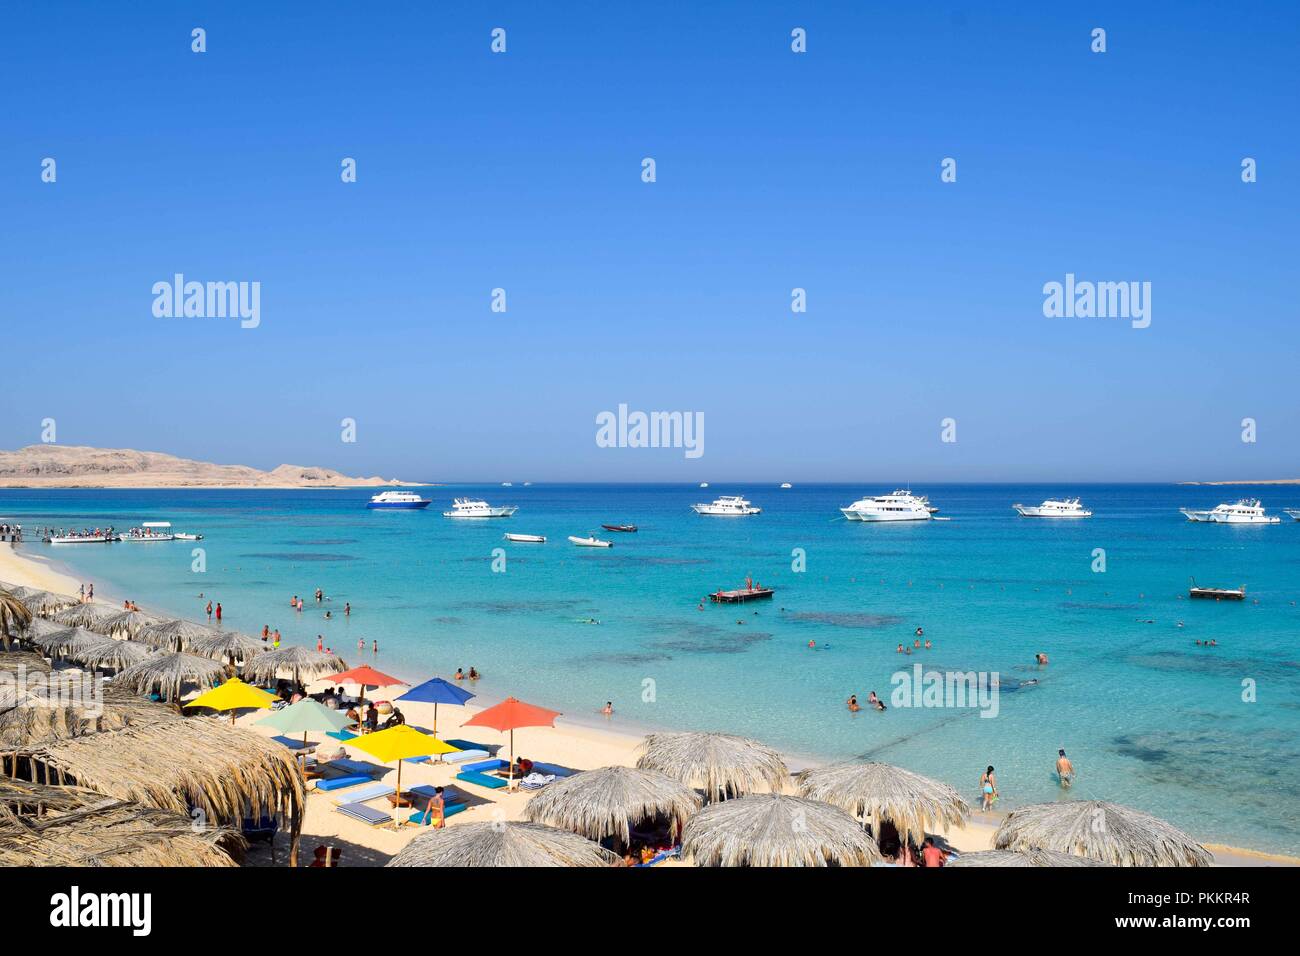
(786, 484)
(1294, 513)
(398, 499)
(1245, 511)
(475, 508)
(898, 505)
(728, 506)
(1054, 508)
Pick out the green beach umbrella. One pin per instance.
(304, 717)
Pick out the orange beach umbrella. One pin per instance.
(509, 715)
(365, 677)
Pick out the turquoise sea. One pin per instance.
(1149, 719)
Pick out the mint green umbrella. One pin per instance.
(303, 717)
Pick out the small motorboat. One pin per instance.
(625, 528)
(1217, 594)
(527, 538)
(590, 542)
(786, 484)
(179, 536)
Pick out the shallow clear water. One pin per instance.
(1148, 718)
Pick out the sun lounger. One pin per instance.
(471, 745)
(554, 769)
(482, 765)
(450, 810)
(465, 755)
(359, 811)
(372, 792)
(482, 780)
(354, 766)
(342, 783)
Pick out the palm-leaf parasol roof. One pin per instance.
(602, 803)
(720, 764)
(88, 615)
(1027, 858)
(167, 674)
(115, 654)
(298, 662)
(174, 635)
(773, 829)
(228, 645)
(1108, 832)
(127, 623)
(914, 804)
(65, 641)
(44, 603)
(500, 843)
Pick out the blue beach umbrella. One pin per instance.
(436, 691)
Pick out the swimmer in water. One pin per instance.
(1040, 658)
(812, 644)
(1064, 769)
(919, 632)
(854, 707)
(988, 788)
(900, 649)
(928, 645)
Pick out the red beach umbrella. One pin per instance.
(510, 714)
(365, 677)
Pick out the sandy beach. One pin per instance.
(569, 743)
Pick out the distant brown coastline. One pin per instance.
(80, 466)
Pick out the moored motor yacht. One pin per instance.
(398, 499)
(728, 506)
(1245, 511)
(590, 542)
(1054, 508)
(476, 508)
(898, 505)
(527, 538)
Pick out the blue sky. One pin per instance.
(775, 170)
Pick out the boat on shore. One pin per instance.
(407, 500)
(1245, 511)
(1217, 594)
(526, 538)
(728, 506)
(898, 505)
(477, 508)
(624, 528)
(590, 542)
(1054, 508)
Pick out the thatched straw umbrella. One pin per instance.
(229, 646)
(1120, 836)
(44, 603)
(772, 829)
(1028, 858)
(167, 674)
(913, 804)
(176, 635)
(65, 641)
(14, 616)
(88, 615)
(70, 826)
(298, 662)
(116, 654)
(502, 843)
(603, 803)
(127, 623)
(721, 764)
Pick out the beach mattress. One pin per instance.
(493, 764)
(482, 779)
(342, 783)
(372, 792)
(341, 734)
(464, 755)
(293, 743)
(470, 745)
(354, 766)
(359, 811)
(450, 810)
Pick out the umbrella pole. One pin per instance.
(397, 803)
(435, 719)
(512, 759)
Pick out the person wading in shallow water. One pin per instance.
(1064, 770)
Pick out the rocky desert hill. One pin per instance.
(79, 466)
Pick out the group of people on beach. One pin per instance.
(989, 782)
(11, 532)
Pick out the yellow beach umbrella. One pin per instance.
(234, 695)
(397, 744)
